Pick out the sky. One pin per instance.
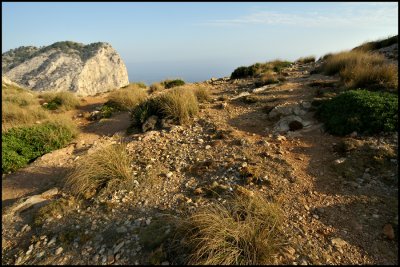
(199, 40)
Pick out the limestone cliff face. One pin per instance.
(66, 66)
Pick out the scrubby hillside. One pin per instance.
(281, 163)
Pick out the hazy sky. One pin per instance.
(196, 40)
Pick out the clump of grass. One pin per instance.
(22, 145)
(155, 87)
(305, 60)
(57, 207)
(126, 98)
(250, 99)
(101, 171)
(178, 104)
(357, 68)
(202, 94)
(60, 100)
(361, 111)
(246, 230)
(371, 77)
(370, 46)
(172, 83)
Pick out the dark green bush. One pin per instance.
(24, 144)
(259, 68)
(361, 111)
(172, 83)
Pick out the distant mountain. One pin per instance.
(66, 66)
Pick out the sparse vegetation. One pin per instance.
(100, 172)
(22, 145)
(172, 83)
(60, 100)
(246, 230)
(361, 111)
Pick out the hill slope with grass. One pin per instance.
(282, 163)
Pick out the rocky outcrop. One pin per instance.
(66, 66)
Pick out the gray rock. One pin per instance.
(121, 229)
(67, 66)
(150, 123)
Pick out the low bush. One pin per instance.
(361, 111)
(60, 100)
(126, 98)
(100, 172)
(246, 230)
(22, 145)
(259, 68)
(172, 83)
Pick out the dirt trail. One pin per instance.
(329, 219)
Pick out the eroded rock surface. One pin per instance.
(66, 66)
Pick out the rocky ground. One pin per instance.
(339, 194)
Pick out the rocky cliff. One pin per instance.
(66, 66)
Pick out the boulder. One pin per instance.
(66, 66)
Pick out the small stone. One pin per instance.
(340, 161)
(376, 216)
(244, 164)
(169, 175)
(52, 241)
(388, 231)
(148, 221)
(59, 250)
(200, 141)
(26, 228)
(40, 254)
(316, 216)
(338, 242)
(208, 146)
(118, 247)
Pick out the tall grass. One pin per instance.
(60, 100)
(246, 230)
(202, 94)
(305, 60)
(362, 69)
(103, 170)
(178, 104)
(127, 98)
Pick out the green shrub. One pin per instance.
(361, 111)
(259, 68)
(22, 145)
(172, 83)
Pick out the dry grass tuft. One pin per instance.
(155, 87)
(202, 94)
(362, 69)
(127, 98)
(60, 100)
(102, 171)
(305, 60)
(178, 104)
(245, 231)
